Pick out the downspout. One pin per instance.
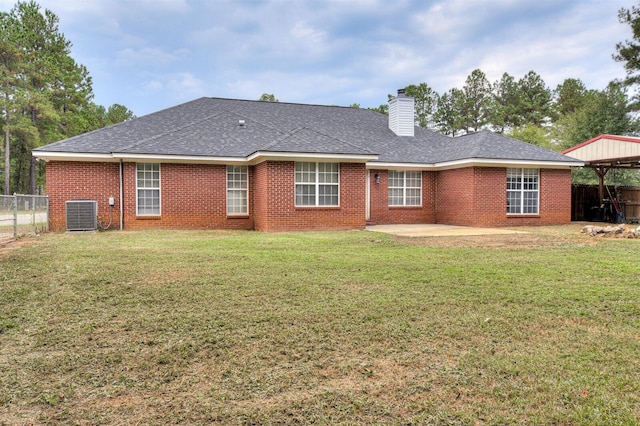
(367, 210)
(121, 197)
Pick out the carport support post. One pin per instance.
(601, 172)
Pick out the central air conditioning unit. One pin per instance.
(82, 215)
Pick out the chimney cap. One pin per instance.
(400, 92)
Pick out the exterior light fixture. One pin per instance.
(377, 177)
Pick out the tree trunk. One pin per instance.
(32, 176)
(32, 163)
(7, 155)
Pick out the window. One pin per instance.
(237, 190)
(523, 191)
(405, 188)
(148, 188)
(317, 184)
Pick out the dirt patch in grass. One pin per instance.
(8, 246)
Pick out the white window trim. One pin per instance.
(159, 189)
(404, 188)
(317, 185)
(246, 191)
(522, 191)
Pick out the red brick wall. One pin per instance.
(455, 197)
(192, 196)
(476, 196)
(261, 194)
(70, 180)
(275, 200)
(380, 213)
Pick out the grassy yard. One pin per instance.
(330, 328)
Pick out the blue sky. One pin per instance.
(152, 54)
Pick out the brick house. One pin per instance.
(236, 164)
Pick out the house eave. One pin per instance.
(180, 159)
(261, 156)
(492, 162)
(73, 156)
(255, 158)
(474, 162)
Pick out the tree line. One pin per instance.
(524, 108)
(45, 96)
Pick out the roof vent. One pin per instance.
(82, 215)
(401, 119)
(241, 123)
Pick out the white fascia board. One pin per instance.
(73, 156)
(474, 162)
(190, 159)
(490, 162)
(115, 157)
(261, 156)
(400, 166)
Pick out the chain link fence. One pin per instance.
(23, 215)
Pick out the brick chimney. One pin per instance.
(401, 120)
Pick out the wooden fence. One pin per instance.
(585, 205)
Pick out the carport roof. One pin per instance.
(608, 151)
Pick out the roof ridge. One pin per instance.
(285, 136)
(338, 139)
(282, 103)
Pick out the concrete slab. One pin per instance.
(436, 230)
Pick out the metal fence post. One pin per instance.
(33, 214)
(15, 215)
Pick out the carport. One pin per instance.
(606, 152)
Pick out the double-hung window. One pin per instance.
(148, 188)
(405, 188)
(523, 191)
(237, 190)
(317, 184)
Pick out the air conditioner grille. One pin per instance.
(82, 215)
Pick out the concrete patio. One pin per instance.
(436, 230)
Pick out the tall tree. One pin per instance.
(382, 109)
(569, 96)
(535, 99)
(11, 85)
(533, 134)
(448, 117)
(628, 51)
(425, 99)
(505, 103)
(477, 97)
(117, 113)
(602, 112)
(268, 97)
(40, 86)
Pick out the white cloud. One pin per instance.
(149, 53)
(149, 56)
(307, 33)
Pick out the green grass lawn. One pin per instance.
(330, 328)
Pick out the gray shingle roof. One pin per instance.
(210, 127)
